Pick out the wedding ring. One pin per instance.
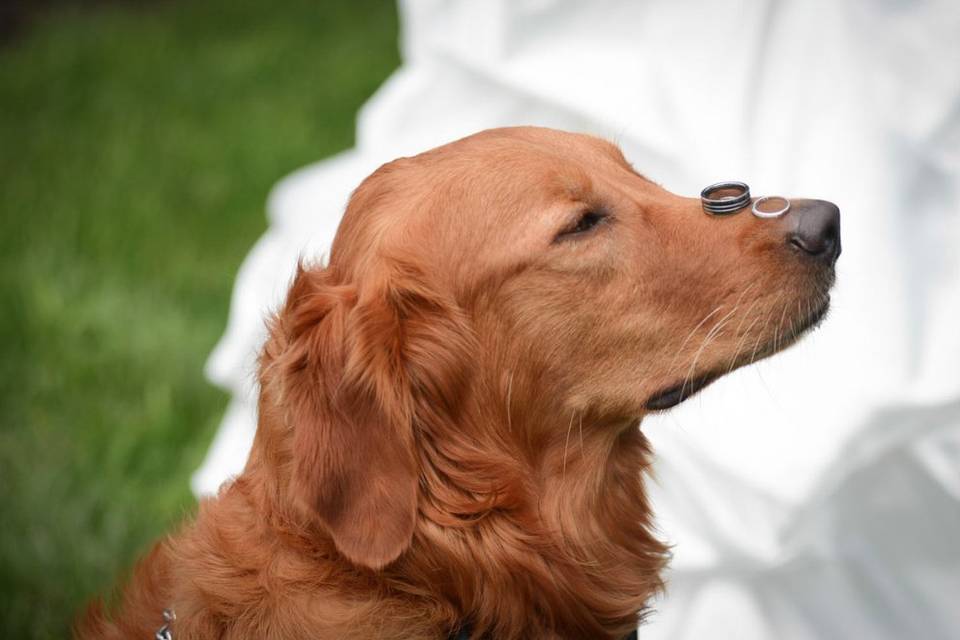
(770, 207)
(725, 198)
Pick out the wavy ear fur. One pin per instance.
(359, 367)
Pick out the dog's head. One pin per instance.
(531, 251)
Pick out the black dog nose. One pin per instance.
(818, 230)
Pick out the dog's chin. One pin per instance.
(671, 396)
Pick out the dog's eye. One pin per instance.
(584, 223)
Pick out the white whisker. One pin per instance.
(769, 317)
(746, 314)
(711, 335)
(740, 343)
(581, 435)
(778, 335)
(509, 408)
(567, 442)
(690, 335)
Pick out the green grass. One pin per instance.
(137, 146)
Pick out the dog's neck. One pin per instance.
(549, 515)
(528, 521)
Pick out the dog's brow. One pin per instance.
(634, 171)
(622, 160)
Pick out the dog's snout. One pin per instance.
(817, 230)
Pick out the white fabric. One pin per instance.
(816, 495)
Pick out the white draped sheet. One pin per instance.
(816, 495)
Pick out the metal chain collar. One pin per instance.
(165, 632)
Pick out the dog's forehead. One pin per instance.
(516, 173)
(549, 150)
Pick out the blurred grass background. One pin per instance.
(138, 142)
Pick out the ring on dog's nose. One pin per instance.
(770, 207)
(724, 198)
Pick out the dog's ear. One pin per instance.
(358, 368)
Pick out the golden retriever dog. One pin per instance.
(448, 441)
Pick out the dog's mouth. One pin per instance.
(674, 395)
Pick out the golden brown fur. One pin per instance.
(449, 408)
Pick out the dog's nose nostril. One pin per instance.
(818, 230)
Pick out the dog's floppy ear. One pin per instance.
(359, 366)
